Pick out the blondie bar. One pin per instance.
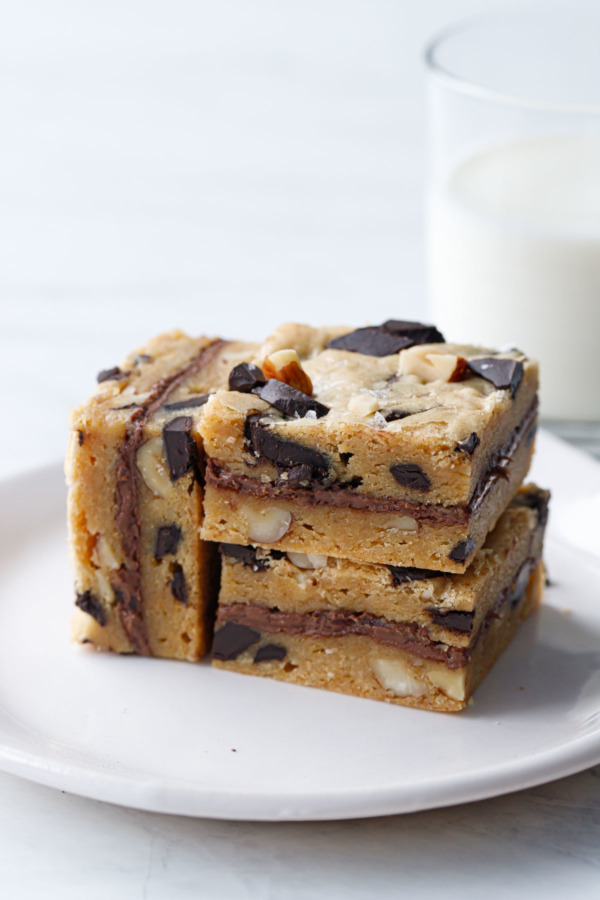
(413, 637)
(145, 581)
(382, 445)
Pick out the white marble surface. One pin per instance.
(214, 166)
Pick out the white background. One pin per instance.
(221, 166)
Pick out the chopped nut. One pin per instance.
(152, 466)
(102, 554)
(284, 365)
(269, 525)
(450, 681)
(307, 560)
(105, 591)
(431, 366)
(395, 676)
(404, 523)
(363, 404)
(243, 403)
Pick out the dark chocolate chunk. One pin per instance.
(297, 475)
(247, 555)
(346, 457)
(469, 445)
(402, 574)
(113, 374)
(504, 374)
(245, 377)
(392, 415)
(189, 402)
(536, 500)
(180, 447)
(90, 604)
(167, 540)
(462, 550)
(453, 619)
(80, 437)
(269, 652)
(263, 442)
(386, 339)
(416, 331)
(232, 639)
(179, 586)
(371, 341)
(412, 476)
(289, 401)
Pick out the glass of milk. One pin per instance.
(514, 207)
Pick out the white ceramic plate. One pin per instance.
(178, 738)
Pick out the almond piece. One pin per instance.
(284, 365)
(152, 466)
(267, 526)
(307, 560)
(431, 366)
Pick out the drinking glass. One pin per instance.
(514, 202)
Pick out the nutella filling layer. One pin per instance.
(406, 636)
(346, 496)
(128, 587)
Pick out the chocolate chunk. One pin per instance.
(392, 415)
(143, 358)
(188, 403)
(370, 342)
(297, 475)
(386, 339)
(536, 500)
(179, 586)
(269, 652)
(263, 442)
(416, 331)
(462, 550)
(167, 540)
(180, 447)
(412, 476)
(289, 401)
(346, 457)
(402, 574)
(453, 619)
(247, 555)
(504, 374)
(232, 639)
(90, 604)
(113, 374)
(245, 377)
(80, 437)
(469, 445)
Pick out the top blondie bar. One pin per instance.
(382, 444)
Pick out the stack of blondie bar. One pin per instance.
(364, 486)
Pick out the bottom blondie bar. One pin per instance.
(409, 636)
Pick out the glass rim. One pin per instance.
(462, 85)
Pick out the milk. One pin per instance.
(514, 249)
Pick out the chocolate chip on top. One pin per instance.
(289, 401)
(245, 378)
(387, 339)
(504, 374)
